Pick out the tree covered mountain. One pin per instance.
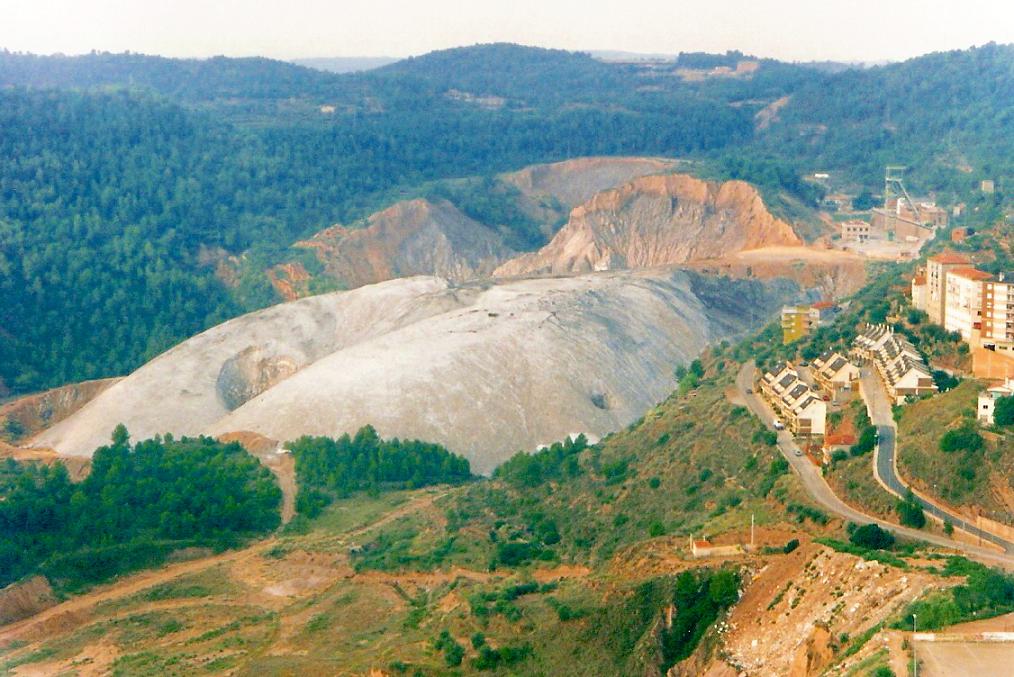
(129, 177)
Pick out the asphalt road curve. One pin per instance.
(886, 462)
(813, 481)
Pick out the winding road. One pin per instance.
(814, 483)
(886, 461)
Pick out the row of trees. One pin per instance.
(138, 503)
(327, 467)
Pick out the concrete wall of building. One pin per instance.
(991, 364)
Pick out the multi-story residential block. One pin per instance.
(898, 364)
(936, 289)
(997, 315)
(834, 373)
(919, 299)
(796, 403)
(963, 300)
(797, 321)
(988, 399)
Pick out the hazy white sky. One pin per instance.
(786, 29)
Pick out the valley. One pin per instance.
(503, 360)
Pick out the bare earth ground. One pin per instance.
(957, 659)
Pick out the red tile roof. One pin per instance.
(971, 274)
(950, 257)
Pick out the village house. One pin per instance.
(988, 398)
(855, 230)
(898, 364)
(799, 406)
(834, 373)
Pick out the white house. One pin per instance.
(988, 398)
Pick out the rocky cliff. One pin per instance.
(424, 237)
(484, 369)
(656, 221)
(412, 237)
(550, 191)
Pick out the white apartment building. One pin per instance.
(998, 315)
(936, 289)
(963, 300)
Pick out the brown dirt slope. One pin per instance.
(41, 410)
(414, 237)
(550, 191)
(657, 221)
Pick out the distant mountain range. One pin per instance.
(345, 64)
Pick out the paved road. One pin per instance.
(886, 464)
(814, 483)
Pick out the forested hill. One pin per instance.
(190, 80)
(944, 114)
(127, 177)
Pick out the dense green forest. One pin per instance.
(128, 177)
(328, 468)
(139, 503)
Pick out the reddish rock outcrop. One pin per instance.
(656, 221)
(24, 599)
(34, 413)
(413, 237)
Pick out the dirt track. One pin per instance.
(76, 608)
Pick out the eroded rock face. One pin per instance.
(550, 191)
(414, 237)
(41, 410)
(485, 369)
(25, 598)
(657, 221)
(252, 371)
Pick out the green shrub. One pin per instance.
(910, 511)
(966, 439)
(872, 536)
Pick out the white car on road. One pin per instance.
(778, 425)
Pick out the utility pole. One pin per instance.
(915, 658)
(751, 531)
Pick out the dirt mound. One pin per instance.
(24, 599)
(414, 237)
(469, 366)
(179, 391)
(34, 413)
(657, 221)
(834, 273)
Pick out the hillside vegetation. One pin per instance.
(138, 504)
(148, 173)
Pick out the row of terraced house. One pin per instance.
(897, 362)
(798, 405)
